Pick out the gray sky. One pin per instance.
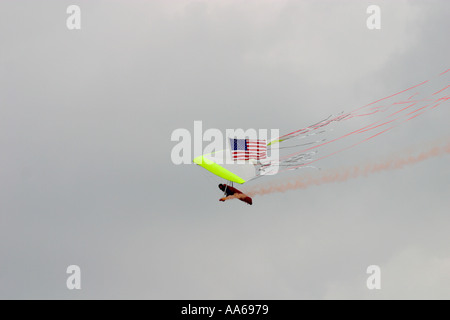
(86, 118)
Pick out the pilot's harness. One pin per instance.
(226, 187)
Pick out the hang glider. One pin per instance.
(237, 164)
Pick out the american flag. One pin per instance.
(245, 149)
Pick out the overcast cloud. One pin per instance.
(86, 176)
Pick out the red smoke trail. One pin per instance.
(344, 174)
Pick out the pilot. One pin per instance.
(226, 189)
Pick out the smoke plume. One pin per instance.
(344, 174)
